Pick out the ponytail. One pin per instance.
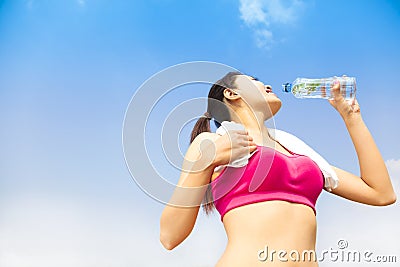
(202, 125)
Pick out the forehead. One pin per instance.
(245, 76)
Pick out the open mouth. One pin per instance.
(268, 89)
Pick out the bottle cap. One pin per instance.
(287, 87)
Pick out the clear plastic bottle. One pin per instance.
(321, 88)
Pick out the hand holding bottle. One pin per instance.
(321, 87)
(348, 109)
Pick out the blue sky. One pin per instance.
(69, 68)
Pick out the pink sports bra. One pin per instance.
(269, 175)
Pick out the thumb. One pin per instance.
(336, 91)
(332, 102)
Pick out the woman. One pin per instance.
(283, 220)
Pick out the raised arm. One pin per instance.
(373, 187)
(207, 151)
(179, 216)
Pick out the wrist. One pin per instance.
(352, 119)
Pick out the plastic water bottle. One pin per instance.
(321, 88)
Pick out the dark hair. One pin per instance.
(217, 110)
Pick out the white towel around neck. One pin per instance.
(290, 142)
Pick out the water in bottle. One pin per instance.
(321, 88)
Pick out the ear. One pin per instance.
(231, 94)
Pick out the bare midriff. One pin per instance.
(256, 230)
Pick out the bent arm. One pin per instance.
(373, 187)
(179, 216)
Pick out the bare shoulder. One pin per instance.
(206, 136)
(203, 139)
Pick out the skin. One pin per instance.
(280, 225)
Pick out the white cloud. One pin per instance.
(264, 38)
(251, 11)
(261, 15)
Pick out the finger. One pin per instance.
(252, 143)
(336, 85)
(336, 89)
(356, 106)
(248, 143)
(248, 149)
(350, 102)
(240, 132)
(253, 148)
(244, 142)
(237, 136)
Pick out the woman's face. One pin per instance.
(257, 95)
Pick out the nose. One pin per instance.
(268, 87)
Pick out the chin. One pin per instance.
(274, 107)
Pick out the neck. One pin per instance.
(254, 124)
